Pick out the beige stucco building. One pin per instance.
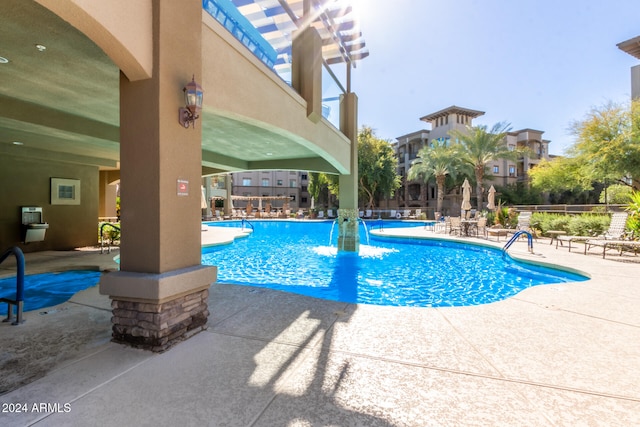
(415, 194)
(90, 97)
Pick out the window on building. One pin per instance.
(292, 183)
(279, 182)
(496, 169)
(265, 182)
(303, 188)
(303, 177)
(512, 171)
(293, 197)
(303, 200)
(246, 182)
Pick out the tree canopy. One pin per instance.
(478, 146)
(377, 165)
(607, 149)
(435, 160)
(377, 176)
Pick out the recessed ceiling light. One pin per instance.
(18, 143)
(3, 60)
(41, 47)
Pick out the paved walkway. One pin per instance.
(556, 355)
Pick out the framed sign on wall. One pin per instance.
(65, 191)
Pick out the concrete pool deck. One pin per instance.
(554, 355)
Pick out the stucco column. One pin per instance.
(349, 237)
(306, 70)
(159, 296)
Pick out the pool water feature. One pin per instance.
(48, 289)
(294, 256)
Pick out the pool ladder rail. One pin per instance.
(102, 239)
(244, 221)
(19, 301)
(515, 237)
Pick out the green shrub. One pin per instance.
(589, 225)
(633, 223)
(575, 225)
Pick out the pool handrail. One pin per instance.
(19, 301)
(102, 236)
(247, 222)
(515, 237)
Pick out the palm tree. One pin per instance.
(477, 147)
(437, 161)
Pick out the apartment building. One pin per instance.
(273, 183)
(501, 172)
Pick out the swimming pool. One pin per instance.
(48, 289)
(298, 257)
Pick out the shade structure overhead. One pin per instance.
(277, 20)
(59, 95)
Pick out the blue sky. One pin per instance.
(536, 64)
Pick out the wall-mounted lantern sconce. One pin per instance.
(193, 101)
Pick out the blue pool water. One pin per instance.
(298, 257)
(45, 290)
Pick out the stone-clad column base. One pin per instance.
(349, 236)
(157, 327)
(156, 311)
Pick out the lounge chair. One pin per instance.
(621, 245)
(321, 215)
(524, 224)
(393, 214)
(497, 230)
(615, 232)
(330, 213)
(406, 214)
(368, 213)
(417, 214)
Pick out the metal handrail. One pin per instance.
(248, 223)
(19, 301)
(515, 237)
(102, 236)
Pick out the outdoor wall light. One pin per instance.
(193, 101)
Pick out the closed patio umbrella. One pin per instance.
(203, 199)
(491, 199)
(466, 195)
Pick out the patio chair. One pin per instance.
(481, 227)
(417, 214)
(455, 225)
(393, 214)
(368, 213)
(321, 215)
(330, 213)
(406, 214)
